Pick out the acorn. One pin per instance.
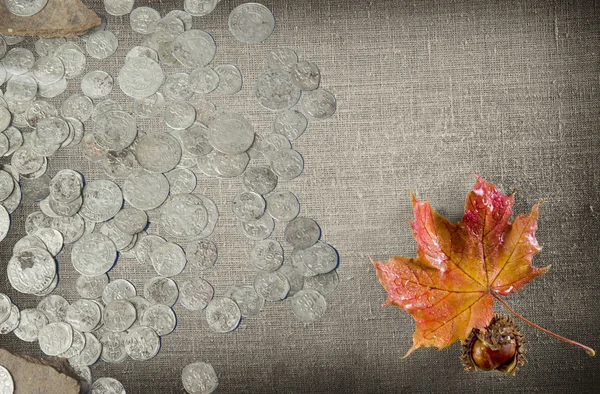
(497, 348)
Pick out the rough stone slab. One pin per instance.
(32, 375)
(60, 18)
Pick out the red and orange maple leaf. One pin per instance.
(449, 288)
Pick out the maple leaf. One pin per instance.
(449, 288)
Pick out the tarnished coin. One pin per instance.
(230, 79)
(90, 353)
(119, 164)
(184, 216)
(143, 20)
(91, 150)
(84, 375)
(141, 51)
(54, 307)
(199, 377)
(200, 7)
(323, 283)
(231, 133)
(177, 87)
(25, 8)
(249, 302)
(158, 152)
(302, 232)
(39, 109)
(7, 185)
(204, 80)
(272, 143)
(7, 385)
(168, 259)
(97, 84)
(119, 315)
(145, 191)
(52, 130)
(102, 199)
(52, 239)
(12, 322)
(31, 270)
(150, 107)
(181, 180)
(66, 186)
(306, 75)
(248, 206)
(161, 290)
(105, 106)
(72, 228)
(319, 258)
(140, 77)
(287, 163)
(107, 386)
(267, 255)
(251, 23)
(258, 229)
(142, 343)
(318, 104)
(160, 318)
(272, 286)
(308, 305)
(261, 180)
(228, 165)
(120, 239)
(179, 115)
(281, 58)
(131, 220)
(55, 338)
(101, 44)
(194, 48)
(201, 254)
(146, 246)
(195, 140)
(290, 123)
(195, 294)
(274, 90)
(115, 130)
(83, 315)
(222, 315)
(94, 254)
(91, 287)
(296, 279)
(118, 289)
(32, 320)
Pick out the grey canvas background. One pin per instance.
(429, 93)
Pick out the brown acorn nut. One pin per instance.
(498, 348)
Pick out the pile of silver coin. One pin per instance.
(155, 217)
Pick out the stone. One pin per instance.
(60, 18)
(32, 375)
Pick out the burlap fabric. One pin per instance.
(429, 93)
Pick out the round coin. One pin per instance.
(249, 302)
(107, 386)
(308, 305)
(195, 294)
(267, 255)
(160, 318)
(194, 48)
(142, 343)
(318, 104)
(199, 378)
(201, 254)
(161, 290)
(274, 90)
(168, 259)
(158, 152)
(55, 338)
(231, 133)
(272, 286)
(302, 232)
(251, 23)
(222, 315)
(94, 254)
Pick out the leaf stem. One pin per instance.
(588, 350)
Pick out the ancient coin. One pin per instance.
(54, 307)
(96, 84)
(120, 239)
(222, 315)
(160, 318)
(119, 164)
(194, 48)
(201, 254)
(25, 8)
(107, 386)
(248, 206)
(7, 185)
(18, 61)
(101, 44)
(181, 180)
(258, 229)
(141, 51)
(281, 58)
(296, 279)
(52, 239)
(308, 305)
(272, 143)
(119, 315)
(83, 315)
(48, 69)
(274, 90)
(32, 320)
(84, 375)
(231, 133)
(94, 254)
(7, 385)
(306, 75)
(142, 343)
(199, 377)
(151, 106)
(77, 345)
(272, 286)
(113, 346)
(302, 232)
(195, 140)
(230, 79)
(118, 8)
(283, 206)
(249, 302)
(204, 80)
(228, 165)
(55, 338)
(290, 123)
(140, 77)
(251, 23)
(143, 20)
(91, 150)
(146, 246)
(131, 220)
(73, 59)
(260, 179)
(72, 228)
(52, 130)
(200, 7)
(168, 259)
(179, 115)
(161, 290)
(195, 294)
(177, 87)
(118, 289)
(319, 258)
(323, 283)
(5, 307)
(115, 130)
(287, 163)
(90, 353)
(53, 89)
(184, 216)
(31, 270)
(77, 106)
(91, 287)
(39, 109)
(12, 322)
(47, 46)
(102, 199)
(158, 152)
(267, 255)
(66, 186)
(105, 106)
(318, 104)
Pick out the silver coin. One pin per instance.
(143, 20)
(150, 107)
(7, 185)
(131, 220)
(230, 79)
(248, 206)
(7, 385)
(52, 239)
(177, 87)
(231, 133)
(195, 140)
(249, 302)
(161, 290)
(91, 287)
(142, 343)
(54, 307)
(290, 123)
(113, 346)
(21, 88)
(286, 163)
(115, 130)
(31, 270)
(32, 320)
(267, 255)
(302, 232)
(83, 315)
(222, 315)
(146, 246)
(205, 110)
(25, 8)
(318, 104)
(194, 48)
(47, 46)
(141, 51)
(195, 294)
(323, 283)
(66, 186)
(179, 115)
(261, 180)
(55, 338)
(319, 258)
(107, 386)
(183, 16)
(251, 23)
(201, 254)
(118, 289)
(77, 135)
(200, 7)
(77, 344)
(160, 318)
(72, 58)
(97, 84)
(119, 164)
(94, 254)
(184, 216)
(296, 279)
(140, 304)
(281, 58)
(12, 322)
(18, 61)
(5, 118)
(306, 75)
(168, 259)
(158, 152)
(181, 180)
(77, 106)
(275, 91)
(28, 242)
(90, 353)
(272, 286)
(228, 165)
(258, 229)
(72, 228)
(53, 89)
(65, 209)
(11, 203)
(104, 106)
(272, 143)
(91, 150)
(48, 289)
(171, 25)
(199, 377)
(48, 69)
(120, 239)
(101, 44)
(84, 375)
(308, 305)
(204, 80)
(4, 144)
(119, 315)
(5, 307)
(118, 8)
(39, 109)
(140, 77)
(102, 199)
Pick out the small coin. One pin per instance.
(290, 123)
(140, 77)
(302, 232)
(318, 104)
(66, 186)
(55, 338)
(199, 377)
(12, 322)
(83, 315)
(151, 106)
(184, 216)
(31, 270)
(96, 84)
(120, 239)
(306, 75)
(204, 80)
(319, 258)
(48, 69)
(281, 58)
(25, 8)
(286, 163)
(177, 87)
(161, 290)
(168, 259)
(7, 385)
(195, 294)
(145, 191)
(113, 346)
(230, 79)
(102, 199)
(251, 23)
(200, 7)
(323, 283)
(18, 61)
(118, 289)
(73, 59)
(158, 152)
(272, 286)
(77, 345)
(90, 353)
(115, 130)
(272, 143)
(94, 254)
(54, 307)
(119, 315)
(267, 255)
(142, 343)
(194, 48)
(248, 206)
(222, 315)
(231, 133)
(274, 90)
(258, 229)
(101, 44)
(179, 115)
(283, 206)
(160, 318)
(107, 386)
(72, 228)
(143, 20)
(296, 279)
(261, 180)
(308, 305)
(32, 320)
(201, 254)
(91, 287)
(131, 220)
(181, 180)
(249, 302)
(146, 246)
